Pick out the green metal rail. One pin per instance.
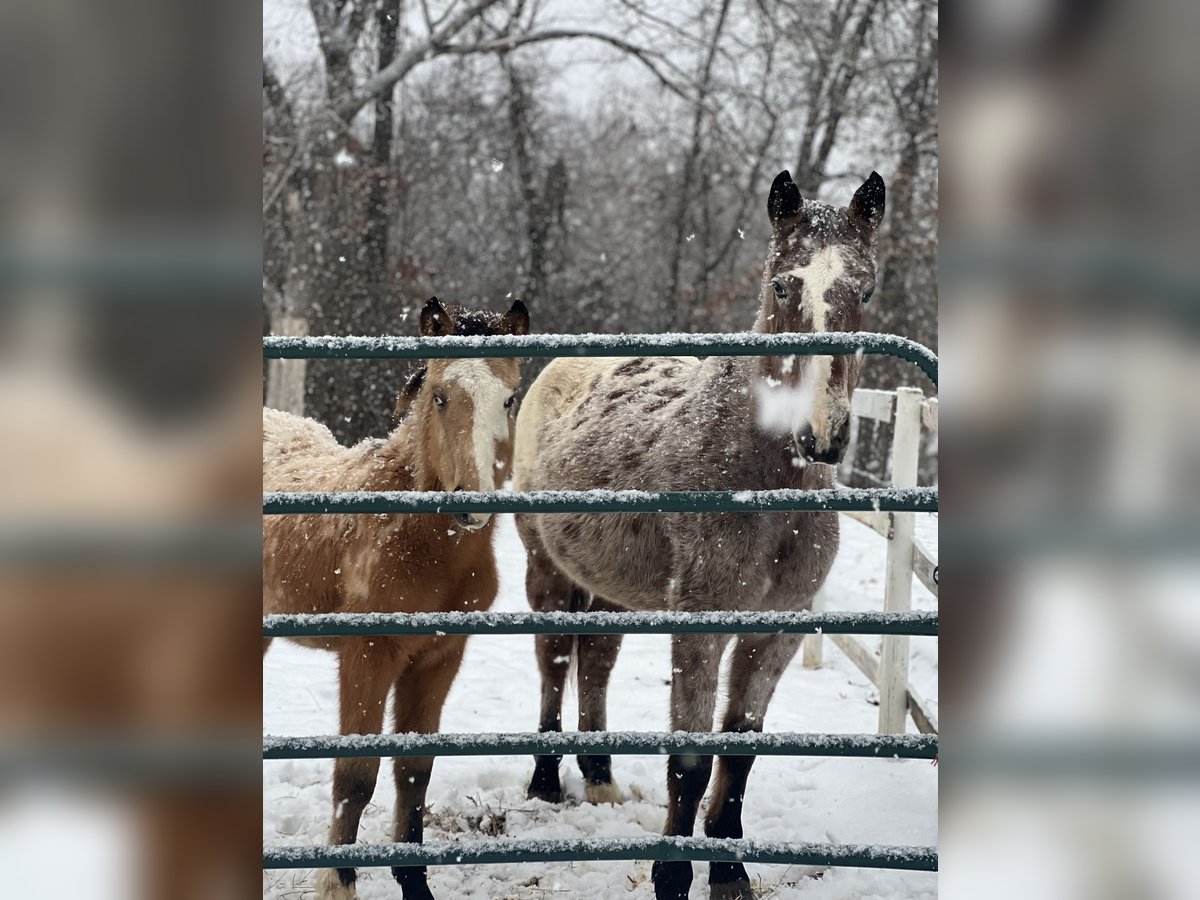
(485, 852)
(631, 743)
(383, 624)
(553, 744)
(547, 345)
(601, 501)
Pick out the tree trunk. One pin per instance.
(677, 315)
(536, 212)
(829, 102)
(376, 262)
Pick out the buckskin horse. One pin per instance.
(456, 433)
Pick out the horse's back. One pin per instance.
(558, 391)
(291, 445)
(625, 553)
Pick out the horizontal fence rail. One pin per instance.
(129, 759)
(544, 345)
(600, 501)
(382, 624)
(159, 544)
(628, 743)
(704, 849)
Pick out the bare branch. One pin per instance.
(650, 60)
(350, 20)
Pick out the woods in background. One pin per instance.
(605, 162)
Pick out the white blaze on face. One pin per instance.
(490, 418)
(822, 273)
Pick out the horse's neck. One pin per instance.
(398, 463)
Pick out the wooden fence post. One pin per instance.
(897, 594)
(286, 377)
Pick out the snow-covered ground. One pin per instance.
(813, 799)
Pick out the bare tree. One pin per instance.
(676, 315)
(837, 65)
(429, 151)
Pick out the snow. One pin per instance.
(817, 799)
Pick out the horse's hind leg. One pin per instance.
(420, 695)
(547, 590)
(363, 678)
(757, 664)
(695, 664)
(597, 653)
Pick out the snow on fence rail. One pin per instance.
(833, 499)
(701, 849)
(905, 500)
(623, 743)
(543, 345)
(381, 624)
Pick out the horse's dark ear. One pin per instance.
(435, 320)
(516, 320)
(784, 200)
(866, 208)
(408, 394)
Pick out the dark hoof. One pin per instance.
(550, 795)
(729, 881)
(671, 880)
(731, 890)
(412, 883)
(545, 783)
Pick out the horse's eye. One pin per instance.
(510, 401)
(439, 401)
(867, 295)
(780, 290)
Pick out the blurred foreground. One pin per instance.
(1070, 319)
(129, 388)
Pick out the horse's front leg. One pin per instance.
(757, 664)
(420, 695)
(597, 656)
(363, 675)
(695, 666)
(548, 590)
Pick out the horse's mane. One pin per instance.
(408, 394)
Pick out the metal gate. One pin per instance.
(716, 743)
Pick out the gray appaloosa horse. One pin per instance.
(691, 424)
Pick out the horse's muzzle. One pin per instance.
(833, 453)
(473, 521)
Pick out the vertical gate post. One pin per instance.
(897, 593)
(813, 645)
